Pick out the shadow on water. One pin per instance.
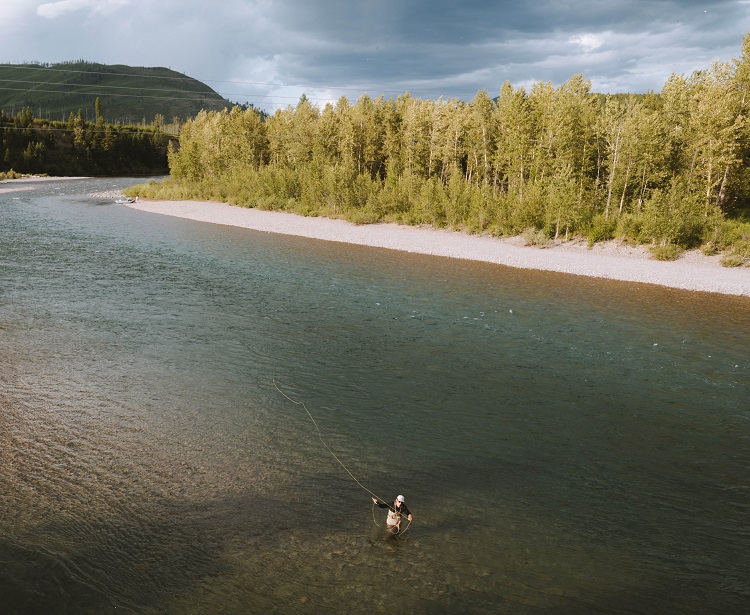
(566, 445)
(512, 536)
(175, 562)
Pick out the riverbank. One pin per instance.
(692, 271)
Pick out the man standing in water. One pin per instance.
(395, 513)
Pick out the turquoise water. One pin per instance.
(566, 445)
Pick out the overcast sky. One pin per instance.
(269, 51)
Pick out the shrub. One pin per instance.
(529, 211)
(710, 248)
(666, 252)
(10, 175)
(737, 241)
(732, 260)
(567, 209)
(601, 229)
(535, 237)
(730, 235)
(433, 203)
(364, 215)
(629, 227)
(500, 216)
(481, 210)
(675, 216)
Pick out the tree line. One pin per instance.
(669, 169)
(30, 145)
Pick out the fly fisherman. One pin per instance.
(395, 512)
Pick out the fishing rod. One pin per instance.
(341, 463)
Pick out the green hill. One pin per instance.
(127, 94)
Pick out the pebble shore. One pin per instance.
(612, 260)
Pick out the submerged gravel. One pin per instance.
(692, 271)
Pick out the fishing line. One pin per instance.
(341, 463)
(320, 437)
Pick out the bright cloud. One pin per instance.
(53, 10)
(588, 42)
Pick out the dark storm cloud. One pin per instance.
(272, 50)
(451, 49)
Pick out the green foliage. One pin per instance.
(10, 174)
(629, 227)
(734, 233)
(78, 147)
(528, 208)
(665, 169)
(566, 211)
(432, 203)
(733, 259)
(535, 237)
(601, 228)
(481, 216)
(732, 237)
(675, 216)
(666, 251)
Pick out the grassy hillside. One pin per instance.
(127, 94)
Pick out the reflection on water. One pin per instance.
(566, 445)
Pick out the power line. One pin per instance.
(119, 130)
(186, 78)
(255, 100)
(92, 72)
(195, 95)
(251, 98)
(109, 94)
(113, 87)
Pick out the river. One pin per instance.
(565, 444)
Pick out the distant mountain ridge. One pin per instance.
(127, 94)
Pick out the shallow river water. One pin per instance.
(566, 445)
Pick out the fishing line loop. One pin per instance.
(341, 463)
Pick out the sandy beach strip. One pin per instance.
(692, 271)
